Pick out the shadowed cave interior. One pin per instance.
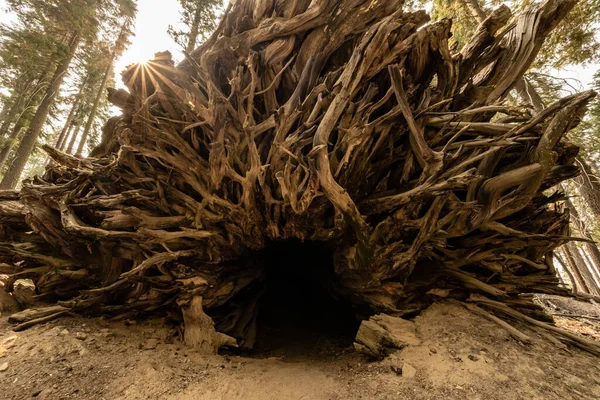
(299, 314)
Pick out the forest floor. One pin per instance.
(461, 356)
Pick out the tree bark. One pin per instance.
(67, 137)
(591, 267)
(21, 90)
(11, 178)
(74, 137)
(94, 110)
(33, 101)
(351, 124)
(12, 139)
(9, 113)
(475, 9)
(74, 108)
(194, 30)
(584, 270)
(73, 128)
(574, 282)
(589, 186)
(592, 248)
(572, 264)
(8, 104)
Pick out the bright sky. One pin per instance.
(153, 20)
(154, 17)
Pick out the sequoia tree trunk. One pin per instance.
(579, 285)
(71, 135)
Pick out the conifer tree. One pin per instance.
(199, 18)
(63, 25)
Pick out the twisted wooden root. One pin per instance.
(350, 123)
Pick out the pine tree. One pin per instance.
(200, 18)
(29, 141)
(573, 42)
(25, 54)
(23, 119)
(55, 22)
(74, 107)
(115, 52)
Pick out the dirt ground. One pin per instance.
(461, 356)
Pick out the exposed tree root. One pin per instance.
(350, 123)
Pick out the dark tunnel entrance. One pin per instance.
(299, 314)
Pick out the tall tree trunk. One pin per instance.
(16, 132)
(16, 103)
(74, 137)
(592, 249)
(591, 267)
(94, 110)
(475, 9)
(193, 35)
(12, 176)
(572, 265)
(73, 128)
(583, 268)
(74, 108)
(7, 105)
(67, 137)
(566, 268)
(590, 186)
(9, 113)
(22, 120)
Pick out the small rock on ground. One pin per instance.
(408, 371)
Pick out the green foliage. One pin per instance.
(32, 46)
(199, 18)
(590, 132)
(463, 23)
(574, 42)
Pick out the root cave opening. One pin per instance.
(299, 313)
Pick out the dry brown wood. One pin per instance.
(382, 334)
(587, 344)
(350, 123)
(514, 332)
(200, 329)
(578, 316)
